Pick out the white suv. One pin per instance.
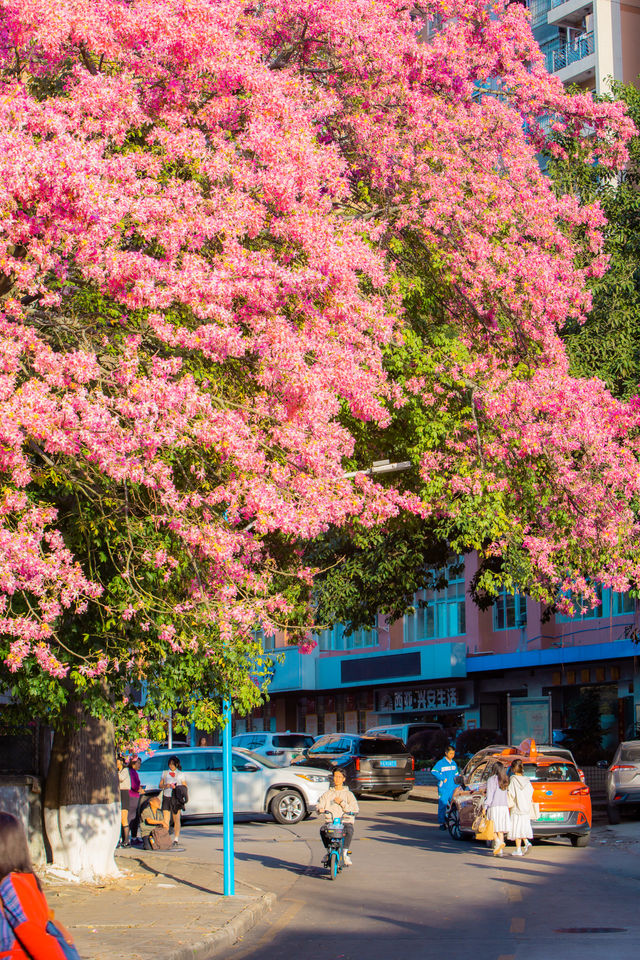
(281, 748)
(259, 786)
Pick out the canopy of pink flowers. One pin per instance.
(230, 174)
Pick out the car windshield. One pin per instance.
(291, 741)
(258, 758)
(630, 753)
(551, 771)
(374, 747)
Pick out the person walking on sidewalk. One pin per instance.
(135, 792)
(496, 804)
(172, 778)
(338, 801)
(124, 776)
(520, 794)
(445, 771)
(24, 912)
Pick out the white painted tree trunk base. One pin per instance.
(83, 839)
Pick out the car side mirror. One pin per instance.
(250, 768)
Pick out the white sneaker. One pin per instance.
(346, 859)
(517, 853)
(527, 847)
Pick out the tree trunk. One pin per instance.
(82, 797)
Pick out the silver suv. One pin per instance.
(281, 748)
(623, 779)
(289, 794)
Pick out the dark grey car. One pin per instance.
(371, 764)
(623, 779)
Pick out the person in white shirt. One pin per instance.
(338, 801)
(520, 794)
(170, 779)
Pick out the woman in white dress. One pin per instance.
(496, 805)
(520, 794)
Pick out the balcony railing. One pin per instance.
(561, 53)
(539, 10)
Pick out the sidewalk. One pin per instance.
(170, 906)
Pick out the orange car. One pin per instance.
(565, 801)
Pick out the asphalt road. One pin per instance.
(413, 893)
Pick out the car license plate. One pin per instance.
(551, 816)
(387, 763)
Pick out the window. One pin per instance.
(369, 747)
(292, 741)
(240, 763)
(622, 603)
(322, 746)
(611, 604)
(509, 611)
(153, 765)
(590, 613)
(336, 638)
(267, 642)
(439, 613)
(478, 774)
(554, 771)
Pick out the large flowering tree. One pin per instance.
(244, 245)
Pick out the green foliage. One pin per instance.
(608, 345)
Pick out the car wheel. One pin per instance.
(453, 823)
(288, 807)
(580, 839)
(402, 796)
(613, 813)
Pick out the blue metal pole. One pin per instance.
(227, 803)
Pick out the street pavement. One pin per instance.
(412, 892)
(415, 893)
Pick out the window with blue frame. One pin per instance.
(267, 642)
(611, 605)
(336, 638)
(622, 603)
(439, 613)
(510, 611)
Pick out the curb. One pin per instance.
(228, 934)
(421, 797)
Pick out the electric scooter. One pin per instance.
(335, 835)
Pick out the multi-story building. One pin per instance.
(589, 42)
(454, 663)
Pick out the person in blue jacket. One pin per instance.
(445, 771)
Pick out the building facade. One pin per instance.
(589, 42)
(456, 664)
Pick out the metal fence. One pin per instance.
(596, 780)
(561, 53)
